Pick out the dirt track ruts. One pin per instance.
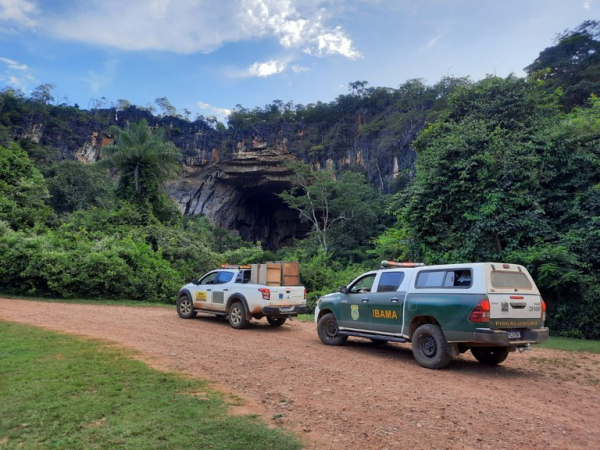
(360, 396)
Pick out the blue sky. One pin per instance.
(207, 56)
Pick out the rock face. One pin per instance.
(241, 194)
(233, 176)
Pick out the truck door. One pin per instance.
(220, 289)
(387, 303)
(355, 311)
(202, 293)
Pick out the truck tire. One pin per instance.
(327, 328)
(185, 307)
(491, 356)
(237, 316)
(276, 321)
(429, 347)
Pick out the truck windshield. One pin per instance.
(510, 280)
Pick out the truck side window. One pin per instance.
(243, 277)
(390, 281)
(431, 279)
(444, 278)
(209, 279)
(246, 277)
(362, 285)
(223, 277)
(462, 278)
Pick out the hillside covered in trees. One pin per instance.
(502, 169)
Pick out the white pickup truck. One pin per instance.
(241, 293)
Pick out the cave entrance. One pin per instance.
(261, 215)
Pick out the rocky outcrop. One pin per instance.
(233, 176)
(240, 194)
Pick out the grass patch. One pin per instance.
(306, 317)
(60, 391)
(93, 301)
(571, 345)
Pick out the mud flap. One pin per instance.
(453, 350)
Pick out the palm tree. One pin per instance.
(143, 160)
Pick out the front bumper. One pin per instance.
(284, 310)
(500, 337)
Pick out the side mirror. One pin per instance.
(343, 289)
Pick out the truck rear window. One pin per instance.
(510, 280)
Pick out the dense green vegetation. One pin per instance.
(506, 169)
(62, 392)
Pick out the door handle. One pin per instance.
(225, 289)
(394, 300)
(208, 290)
(364, 300)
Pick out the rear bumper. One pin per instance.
(500, 337)
(277, 311)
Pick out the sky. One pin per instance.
(208, 56)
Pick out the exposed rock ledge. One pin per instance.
(240, 194)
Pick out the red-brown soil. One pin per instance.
(360, 396)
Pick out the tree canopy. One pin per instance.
(572, 64)
(144, 161)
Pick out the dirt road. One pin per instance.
(360, 396)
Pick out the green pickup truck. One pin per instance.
(490, 309)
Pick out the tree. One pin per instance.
(325, 203)
(476, 193)
(144, 161)
(122, 104)
(572, 64)
(75, 186)
(165, 105)
(23, 190)
(43, 93)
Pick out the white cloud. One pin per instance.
(297, 68)
(16, 75)
(190, 26)
(14, 65)
(586, 5)
(18, 11)
(266, 69)
(98, 80)
(209, 110)
(329, 42)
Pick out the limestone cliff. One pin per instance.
(241, 194)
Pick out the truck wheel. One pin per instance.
(276, 321)
(327, 328)
(429, 347)
(492, 356)
(237, 316)
(185, 307)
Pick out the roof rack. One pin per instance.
(389, 264)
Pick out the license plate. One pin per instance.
(286, 309)
(514, 335)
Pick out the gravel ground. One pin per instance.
(360, 396)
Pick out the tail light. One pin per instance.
(266, 293)
(481, 312)
(543, 310)
(304, 294)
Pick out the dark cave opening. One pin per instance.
(263, 216)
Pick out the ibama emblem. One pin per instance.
(354, 312)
